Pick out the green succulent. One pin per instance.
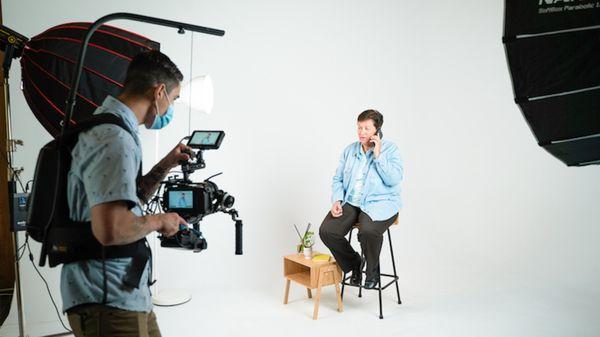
(309, 239)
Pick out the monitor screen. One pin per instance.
(181, 199)
(204, 138)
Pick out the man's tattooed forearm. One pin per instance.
(150, 182)
(140, 222)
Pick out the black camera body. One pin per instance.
(195, 200)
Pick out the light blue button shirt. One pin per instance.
(380, 192)
(355, 195)
(105, 164)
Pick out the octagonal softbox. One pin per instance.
(48, 63)
(553, 53)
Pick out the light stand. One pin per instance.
(13, 44)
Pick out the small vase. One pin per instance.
(308, 252)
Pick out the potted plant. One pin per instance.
(308, 242)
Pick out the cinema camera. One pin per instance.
(193, 201)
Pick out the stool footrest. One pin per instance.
(381, 286)
(394, 280)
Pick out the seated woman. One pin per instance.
(366, 189)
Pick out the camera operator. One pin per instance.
(104, 187)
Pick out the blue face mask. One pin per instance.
(162, 121)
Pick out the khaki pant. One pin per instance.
(96, 320)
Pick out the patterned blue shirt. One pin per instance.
(106, 160)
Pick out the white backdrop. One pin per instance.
(486, 210)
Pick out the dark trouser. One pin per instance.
(92, 320)
(333, 233)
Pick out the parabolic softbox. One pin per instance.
(48, 64)
(553, 53)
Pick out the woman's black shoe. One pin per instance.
(371, 282)
(356, 278)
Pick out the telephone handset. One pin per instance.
(380, 134)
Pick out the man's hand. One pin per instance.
(114, 224)
(336, 209)
(377, 143)
(150, 182)
(178, 154)
(169, 223)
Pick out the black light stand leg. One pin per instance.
(394, 266)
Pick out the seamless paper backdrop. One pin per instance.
(484, 208)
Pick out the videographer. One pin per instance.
(104, 187)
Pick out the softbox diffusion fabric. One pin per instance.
(48, 66)
(553, 53)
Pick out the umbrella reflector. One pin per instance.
(48, 64)
(553, 54)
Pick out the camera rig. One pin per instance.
(195, 200)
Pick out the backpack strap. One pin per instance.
(73, 241)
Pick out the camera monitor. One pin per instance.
(181, 199)
(206, 140)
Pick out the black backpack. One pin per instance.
(48, 221)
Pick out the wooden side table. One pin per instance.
(312, 275)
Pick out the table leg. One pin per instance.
(339, 297)
(287, 291)
(322, 272)
(317, 300)
(309, 292)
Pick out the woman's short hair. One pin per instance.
(373, 115)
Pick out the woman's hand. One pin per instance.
(336, 209)
(377, 143)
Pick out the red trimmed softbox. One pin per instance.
(48, 63)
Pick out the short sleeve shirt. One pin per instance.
(104, 168)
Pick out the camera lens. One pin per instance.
(228, 201)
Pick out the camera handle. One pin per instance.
(189, 167)
(238, 230)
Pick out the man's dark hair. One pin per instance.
(373, 115)
(149, 69)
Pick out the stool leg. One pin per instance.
(380, 306)
(394, 266)
(362, 255)
(343, 280)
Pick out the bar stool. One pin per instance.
(394, 278)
